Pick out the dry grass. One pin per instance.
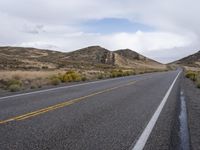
(27, 75)
(191, 68)
(19, 80)
(9, 80)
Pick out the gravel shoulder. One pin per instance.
(193, 107)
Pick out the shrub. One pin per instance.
(113, 74)
(14, 88)
(194, 76)
(75, 76)
(191, 75)
(84, 78)
(70, 76)
(33, 87)
(100, 76)
(61, 77)
(128, 73)
(67, 78)
(120, 73)
(14, 82)
(13, 85)
(55, 81)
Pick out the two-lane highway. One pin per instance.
(110, 114)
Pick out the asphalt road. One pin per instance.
(103, 115)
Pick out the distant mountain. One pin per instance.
(94, 57)
(190, 61)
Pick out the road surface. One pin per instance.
(135, 112)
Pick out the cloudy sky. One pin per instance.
(165, 30)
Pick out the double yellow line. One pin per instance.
(60, 105)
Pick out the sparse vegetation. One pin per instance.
(191, 75)
(194, 76)
(33, 87)
(120, 73)
(14, 82)
(101, 76)
(55, 81)
(19, 80)
(13, 85)
(14, 88)
(70, 76)
(84, 78)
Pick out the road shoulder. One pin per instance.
(193, 107)
(165, 133)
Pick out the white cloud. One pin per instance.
(140, 41)
(147, 41)
(57, 25)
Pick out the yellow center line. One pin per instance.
(60, 105)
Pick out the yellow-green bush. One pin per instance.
(191, 75)
(101, 76)
(14, 85)
(194, 76)
(128, 73)
(120, 73)
(198, 80)
(14, 88)
(116, 73)
(70, 76)
(14, 82)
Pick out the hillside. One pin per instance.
(94, 57)
(190, 61)
(137, 60)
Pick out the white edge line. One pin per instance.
(65, 87)
(147, 131)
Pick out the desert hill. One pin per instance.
(94, 57)
(190, 61)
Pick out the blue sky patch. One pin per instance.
(114, 25)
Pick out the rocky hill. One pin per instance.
(190, 61)
(94, 57)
